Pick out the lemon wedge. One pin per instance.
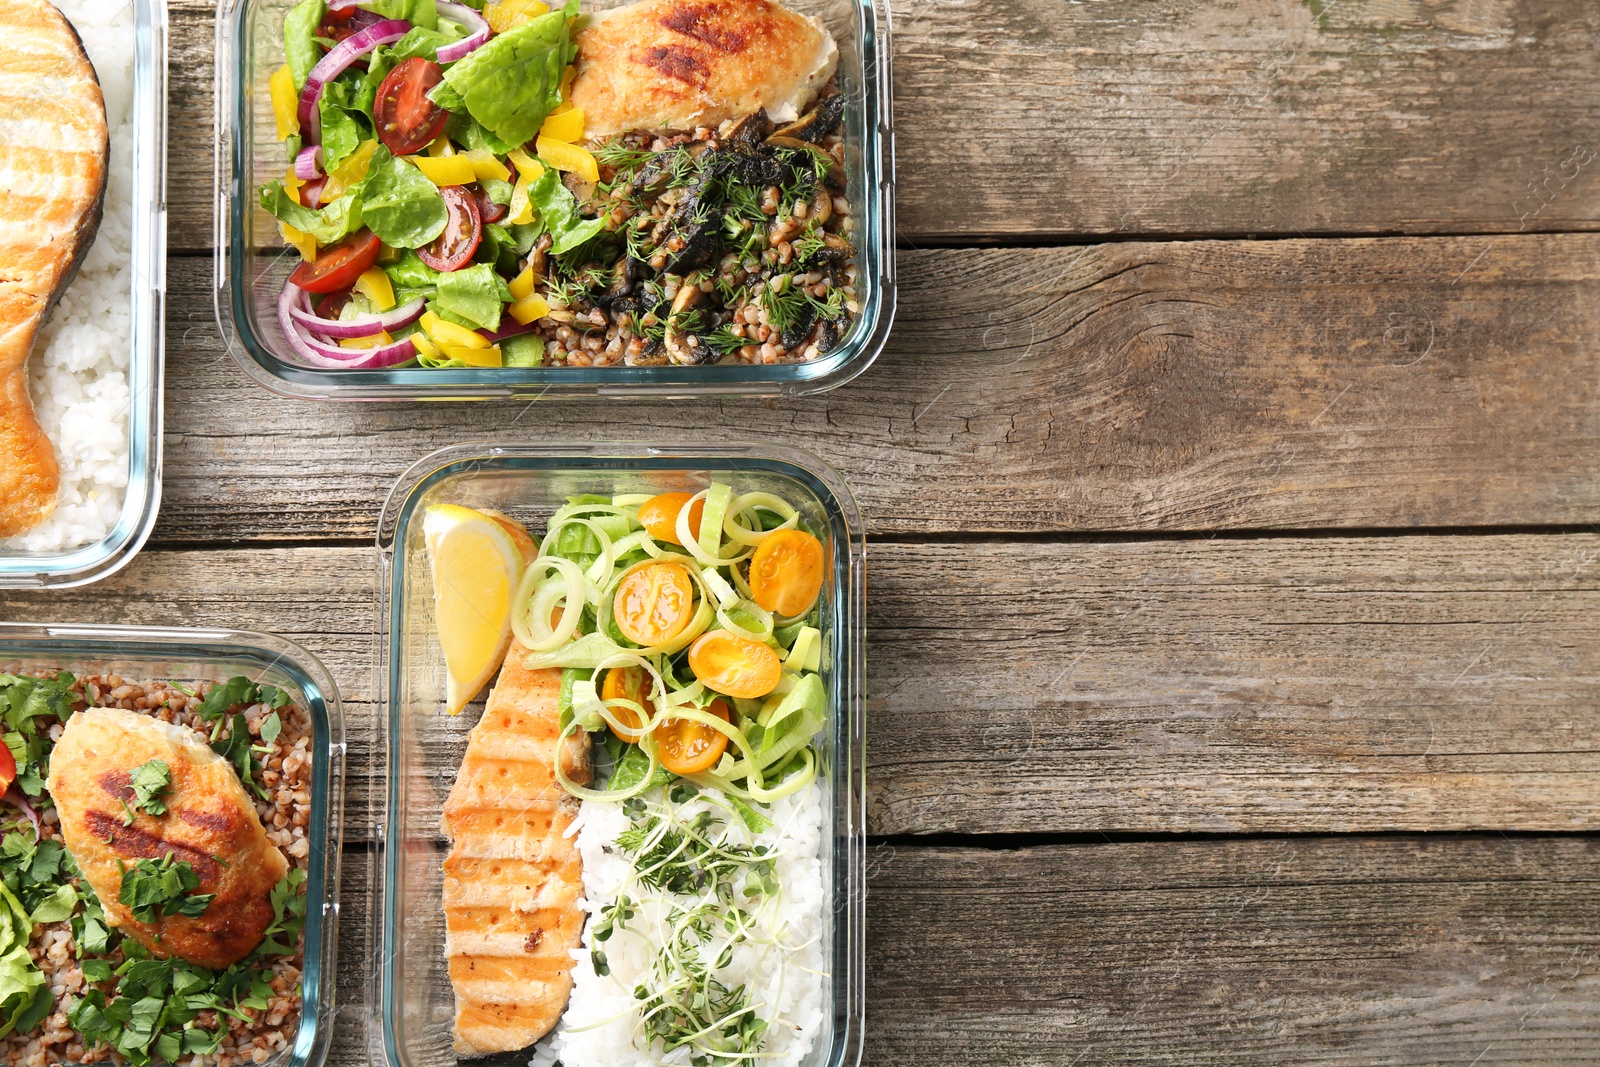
(477, 561)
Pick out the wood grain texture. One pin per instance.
(1307, 685)
(1338, 952)
(1190, 385)
(1034, 120)
(1356, 952)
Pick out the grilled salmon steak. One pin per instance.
(53, 148)
(513, 878)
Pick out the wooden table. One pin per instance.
(1235, 588)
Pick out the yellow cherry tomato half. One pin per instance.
(786, 572)
(659, 516)
(734, 666)
(686, 747)
(628, 683)
(654, 603)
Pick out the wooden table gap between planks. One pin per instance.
(1290, 547)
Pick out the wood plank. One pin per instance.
(1344, 951)
(1305, 685)
(1341, 952)
(1191, 385)
(1034, 120)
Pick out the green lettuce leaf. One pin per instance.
(300, 49)
(342, 132)
(399, 204)
(424, 13)
(57, 907)
(558, 213)
(327, 224)
(523, 350)
(470, 296)
(511, 83)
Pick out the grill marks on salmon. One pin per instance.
(513, 879)
(53, 156)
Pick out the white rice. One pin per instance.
(598, 1029)
(79, 367)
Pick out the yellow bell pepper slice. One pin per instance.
(303, 243)
(448, 334)
(509, 14)
(566, 79)
(528, 309)
(565, 123)
(569, 157)
(529, 171)
(424, 346)
(441, 146)
(285, 102)
(446, 170)
(484, 165)
(522, 285)
(374, 341)
(476, 357)
(351, 169)
(374, 285)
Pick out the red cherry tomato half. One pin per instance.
(336, 25)
(453, 248)
(331, 305)
(488, 210)
(311, 192)
(407, 121)
(338, 266)
(8, 768)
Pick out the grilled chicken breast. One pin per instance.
(513, 878)
(210, 824)
(675, 64)
(53, 150)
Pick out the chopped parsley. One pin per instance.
(237, 692)
(155, 889)
(150, 782)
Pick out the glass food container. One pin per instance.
(146, 344)
(212, 655)
(252, 265)
(413, 1000)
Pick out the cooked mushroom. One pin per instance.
(684, 347)
(689, 236)
(817, 123)
(750, 130)
(834, 177)
(623, 292)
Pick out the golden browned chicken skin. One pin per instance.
(513, 879)
(210, 824)
(50, 201)
(674, 64)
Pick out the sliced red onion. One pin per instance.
(308, 164)
(474, 22)
(516, 329)
(20, 799)
(330, 66)
(362, 325)
(319, 354)
(342, 5)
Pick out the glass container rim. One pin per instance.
(147, 337)
(834, 495)
(323, 703)
(257, 361)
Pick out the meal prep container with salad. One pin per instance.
(146, 344)
(423, 746)
(214, 655)
(252, 266)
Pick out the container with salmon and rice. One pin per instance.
(82, 235)
(644, 846)
(430, 198)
